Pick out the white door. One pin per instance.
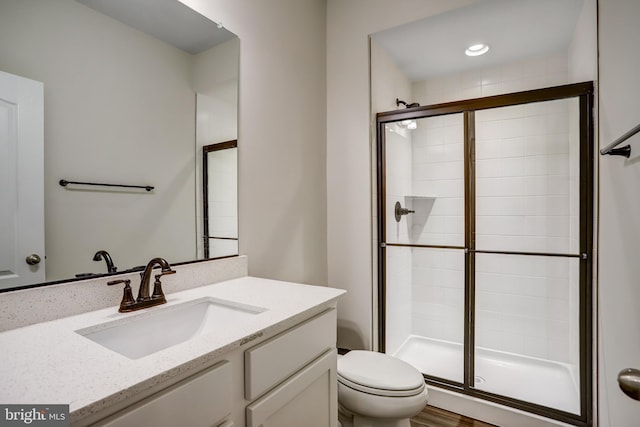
(619, 210)
(21, 181)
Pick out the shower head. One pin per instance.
(412, 105)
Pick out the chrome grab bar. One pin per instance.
(622, 151)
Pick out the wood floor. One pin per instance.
(435, 417)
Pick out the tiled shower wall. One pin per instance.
(525, 183)
(527, 201)
(438, 176)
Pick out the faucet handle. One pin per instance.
(127, 296)
(157, 287)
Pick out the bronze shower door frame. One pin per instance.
(582, 91)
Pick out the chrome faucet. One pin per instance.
(144, 300)
(102, 254)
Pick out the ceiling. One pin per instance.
(165, 20)
(514, 29)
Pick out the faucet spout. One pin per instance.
(102, 254)
(143, 291)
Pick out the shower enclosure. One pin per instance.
(485, 255)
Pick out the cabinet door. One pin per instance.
(202, 400)
(307, 398)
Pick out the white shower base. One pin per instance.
(538, 381)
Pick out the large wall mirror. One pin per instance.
(132, 90)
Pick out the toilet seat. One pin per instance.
(379, 374)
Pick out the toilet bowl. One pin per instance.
(378, 390)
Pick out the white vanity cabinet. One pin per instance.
(293, 377)
(286, 380)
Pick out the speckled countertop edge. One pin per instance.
(50, 363)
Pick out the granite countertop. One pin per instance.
(49, 363)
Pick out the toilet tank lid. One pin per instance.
(379, 370)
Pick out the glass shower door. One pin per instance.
(425, 239)
(484, 266)
(527, 253)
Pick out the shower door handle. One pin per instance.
(629, 382)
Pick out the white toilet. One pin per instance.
(378, 390)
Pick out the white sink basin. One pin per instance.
(149, 332)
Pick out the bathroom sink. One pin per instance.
(149, 332)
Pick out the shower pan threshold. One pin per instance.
(543, 382)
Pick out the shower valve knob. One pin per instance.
(399, 211)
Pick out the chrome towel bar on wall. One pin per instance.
(64, 183)
(622, 151)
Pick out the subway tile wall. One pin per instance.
(438, 294)
(524, 178)
(523, 305)
(438, 181)
(399, 180)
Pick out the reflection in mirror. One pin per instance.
(119, 107)
(220, 200)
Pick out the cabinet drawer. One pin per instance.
(273, 361)
(200, 400)
(310, 395)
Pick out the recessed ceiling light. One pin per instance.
(477, 49)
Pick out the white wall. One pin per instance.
(112, 115)
(583, 64)
(388, 82)
(349, 189)
(619, 209)
(281, 137)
